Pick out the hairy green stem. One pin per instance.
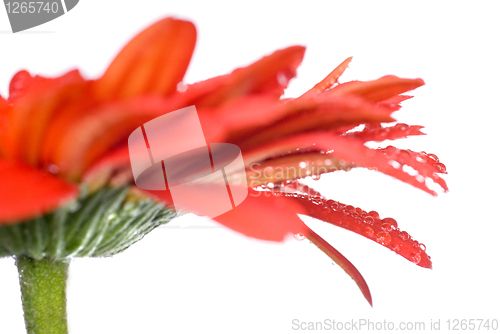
(43, 290)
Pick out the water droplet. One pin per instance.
(374, 214)
(422, 247)
(441, 168)
(369, 220)
(181, 87)
(415, 258)
(404, 235)
(391, 222)
(302, 164)
(386, 227)
(433, 157)
(384, 238)
(299, 236)
(368, 231)
(54, 169)
(282, 79)
(402, 126)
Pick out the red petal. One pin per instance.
(75, 140)
(26, 192)
(351, 151)
(377, 90)
(379, 134)
(294, 166)
(100, 172)
(4, 115)
(329, 80)
(318, 114)
(344, 263)
(385, 231)
(153, 62)
(261, 215)
(394, 102)
(20, 82)
(269, 75)
(34, 110)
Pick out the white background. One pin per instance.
(188, 280)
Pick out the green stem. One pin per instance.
(43, 290)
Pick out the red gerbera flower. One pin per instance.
(58, 133)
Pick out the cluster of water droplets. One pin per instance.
(369, 224)
(379, 133)
(417, 164)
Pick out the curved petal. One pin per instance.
(329, 80)
(344, 263)
(318, 114)
(351, 151)
(262, 215)
(368, 224)
(153, 62)
(26, 192)
(33, 111)
(20, 82)
(75, 140)
(398, 131)
(377, 90)
(269, 75)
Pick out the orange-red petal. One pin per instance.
(261, 215)
(269, 75)
(27, 192)
(344, 263)
(368, 224)
(153, 62)
(377, 90)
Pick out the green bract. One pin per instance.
(100, 224)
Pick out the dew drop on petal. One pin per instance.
(374, 214)
(415, 258)
(391, 222)
(369, 220)
(404, 235)
(384, 238)
(422, 247)
(299, 236)
(368, 231)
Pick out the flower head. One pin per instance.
(56, 134)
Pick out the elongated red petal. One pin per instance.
(368, 224)
(319, 114)
(75, 140)
(261, 215)
(291, 167)
(378, 134)
(344, 263)
(377, 90)
(426, 165)
(351, 151)
(329, 80)
(33, 111)
(394, 102)
(154, 62)
(269, 75)
(26, 192)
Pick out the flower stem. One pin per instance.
(43, 290)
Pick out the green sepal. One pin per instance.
(100, 224)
